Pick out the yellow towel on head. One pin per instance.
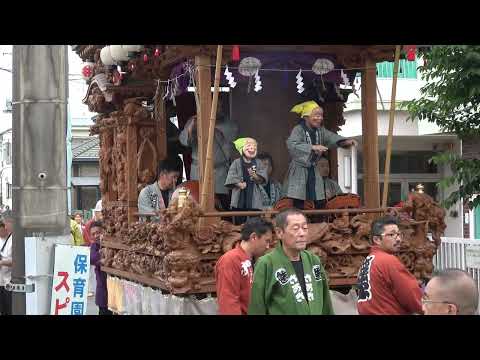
(305, 108)
(241, 142)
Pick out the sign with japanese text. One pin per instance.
(70, 280)
(472, 254)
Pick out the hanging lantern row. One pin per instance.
(112, 55)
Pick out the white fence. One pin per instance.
(451, 254)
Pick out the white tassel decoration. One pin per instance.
(258, 83)
(299, 78)
(230, 79)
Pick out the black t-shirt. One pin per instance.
(298, 266)
(165, 197)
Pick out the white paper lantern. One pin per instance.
(132, 48)
(106, 56)
(118, 53)
(323, 66)
(249, 66)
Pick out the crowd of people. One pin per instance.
(245, 183)
(290, 280)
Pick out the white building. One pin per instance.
(6, 169)
(414, 143)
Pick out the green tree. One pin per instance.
(451, 99)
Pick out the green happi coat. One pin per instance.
(301, 154)
(276, 290)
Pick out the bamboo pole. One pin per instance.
(211, 132)
(390, 127)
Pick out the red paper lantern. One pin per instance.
(156, 53)
(236, 53)
(145, 58)
(411, 52)
(86, 71)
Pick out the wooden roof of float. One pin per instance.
(347, 55)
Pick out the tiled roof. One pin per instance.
(85, 147)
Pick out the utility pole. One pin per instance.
(40, 87)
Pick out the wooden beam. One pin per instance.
(204, 84)
(371, 190)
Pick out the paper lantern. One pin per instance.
(249, 66)
(236, 53)
(323, 66)
(87, 70)
(118, 53)
(106, 56)
(132, 50)
(411, 51)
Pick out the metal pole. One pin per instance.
(39, 110)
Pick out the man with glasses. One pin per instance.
(450, 292)
(385, 286)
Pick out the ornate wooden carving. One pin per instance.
(173, 251)
(183, 258)
(147, 158)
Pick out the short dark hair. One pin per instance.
(170, 164)
(266, 156)
(281, 219)
(97, 224)
(378, 225)
(458, 287)
(257, 225)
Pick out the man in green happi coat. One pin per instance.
(290, 280)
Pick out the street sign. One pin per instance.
(472, 253)
(70, 280)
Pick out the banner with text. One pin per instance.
(70, 280)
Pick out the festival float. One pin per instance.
(134, 89)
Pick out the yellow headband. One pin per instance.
(241, 142)
(305, 108)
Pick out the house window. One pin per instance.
(407, 170)
(405, 162)
(9, 191)
(406, 69)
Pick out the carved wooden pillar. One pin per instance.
(111, 194)
(132, 170)
(371, 189)
(204, 84)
